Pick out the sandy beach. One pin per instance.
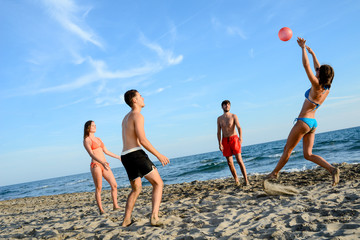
(215, 209)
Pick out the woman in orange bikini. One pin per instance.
(99, 166)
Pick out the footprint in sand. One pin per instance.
(277, 189)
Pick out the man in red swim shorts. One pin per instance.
(230, 143)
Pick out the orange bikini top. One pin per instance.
(95, 145)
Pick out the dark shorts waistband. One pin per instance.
(137, 164)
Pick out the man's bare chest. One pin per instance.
(227, 122)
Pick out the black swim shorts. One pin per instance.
(137, 164)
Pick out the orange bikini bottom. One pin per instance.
(94, 164)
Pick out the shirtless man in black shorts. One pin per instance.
(135, 160)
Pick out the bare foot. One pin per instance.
(246, 183)
(156, 222)
(127, 223)
(335, 176)
(237, 183)
(116, 208)
(272, 176)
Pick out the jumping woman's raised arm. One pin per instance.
(305, 60)
(316, 62)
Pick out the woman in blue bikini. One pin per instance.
(306, 124)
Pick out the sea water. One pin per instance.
(336, 147)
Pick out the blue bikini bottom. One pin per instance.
(311, 122)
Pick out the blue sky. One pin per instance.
(65, 62)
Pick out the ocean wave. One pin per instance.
(76, 182)
(248, 159)
(354, 148)
(270, 156)
(297, 169)
(331, 142)
(42, 187)
(207, 168)
(276, 155)
(7, 191)
(209, 160)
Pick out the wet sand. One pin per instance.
(214, 209)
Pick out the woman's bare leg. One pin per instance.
(109, 177)
(297, 132)
(308, 143)
(97, 177)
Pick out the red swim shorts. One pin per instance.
(231, 145)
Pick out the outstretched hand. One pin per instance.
(164, 160)
(301, 42)
(309, 50)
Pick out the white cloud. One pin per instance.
(231, 30)
(344, 97)
(195, 105)
(77, 59)
(107, 101)
(173, 31)
(65, 12)
(159, 90)
(166, 56)
(215, 22)
(100, 73)
(196, 78)
(236, 31)
(72, 103)
(341, 101)
(251, 53)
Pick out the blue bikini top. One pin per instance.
(307, 97)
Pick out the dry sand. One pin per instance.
(215, 209)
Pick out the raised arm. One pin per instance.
(87, 145)
(140, 133)
(237, 124)
(314, 81)
(316, 62)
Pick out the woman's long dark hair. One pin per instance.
(326, 76)
(87, 128)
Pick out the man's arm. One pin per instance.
(140, 133)
(237, 124)
(219, 134)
